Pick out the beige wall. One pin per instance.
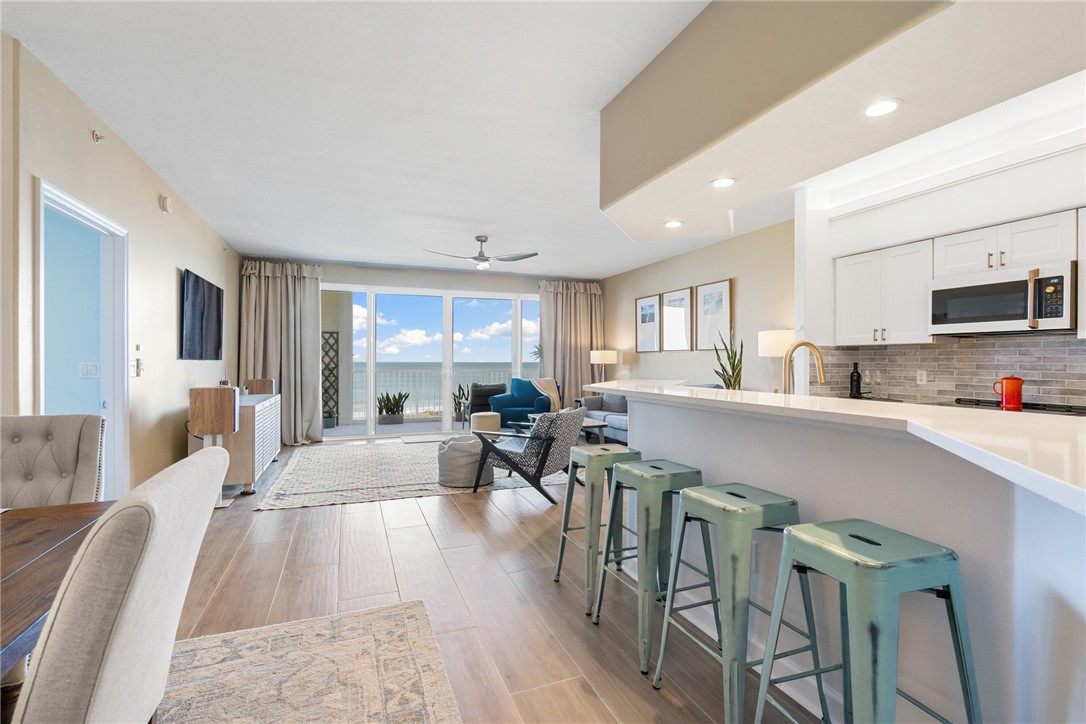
(53, 129)
(698, 90)
(760, 265)
(472, 281)
(8, 225)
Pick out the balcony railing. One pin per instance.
(424, 386)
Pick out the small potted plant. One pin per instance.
(390, 408)
(731, 365)
(459, 398)
(329, 417)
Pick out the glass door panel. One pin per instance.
(482, 341)
(409, 359)
(532, 349)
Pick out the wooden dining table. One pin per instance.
(36, 547)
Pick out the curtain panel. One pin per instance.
(281, 338)
(571, 326)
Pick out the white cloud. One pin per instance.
(529, 330)
(360, 317)
(407, 338)
(359, 349)
(465, 349)
(494, 329)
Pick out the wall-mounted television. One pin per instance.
(201, 318)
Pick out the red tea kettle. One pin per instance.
(1010, 393)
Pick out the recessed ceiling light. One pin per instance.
(722, 183)
(673, 224)
(883, 107)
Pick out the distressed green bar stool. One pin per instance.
(597, 461)
(736, 511)
(874, 566)
(656, 482)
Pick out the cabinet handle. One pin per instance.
(989, 260)
(1031, 279)
(875, 334)
(1001, 255)
(884, 334)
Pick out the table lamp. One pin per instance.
(213, 412)
(775, 342)
(603, 357)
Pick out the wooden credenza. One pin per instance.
(255, 444)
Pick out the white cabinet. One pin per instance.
(882, 296)
(1029, 242)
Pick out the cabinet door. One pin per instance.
(906, 271)
(969, 252)
(858, 281)
(1033, 242)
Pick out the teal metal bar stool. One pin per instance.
(656, 482)
(736, 511)
(874, 566)
(597, 461)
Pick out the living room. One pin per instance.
(589, 194)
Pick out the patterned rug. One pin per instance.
(364, 472)
(379, 665)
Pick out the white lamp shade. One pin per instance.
(603, 357)
(775, 342)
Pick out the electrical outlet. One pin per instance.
(921, 377)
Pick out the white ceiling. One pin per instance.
(361, 132)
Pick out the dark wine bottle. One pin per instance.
(854, 381)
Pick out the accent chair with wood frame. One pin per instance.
(536, 454)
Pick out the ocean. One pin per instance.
(422, 380)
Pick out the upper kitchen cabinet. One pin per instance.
(1040, 240)
(882, 296)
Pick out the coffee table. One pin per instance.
(589, 427)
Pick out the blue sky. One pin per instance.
(409, 328)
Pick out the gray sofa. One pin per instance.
(609, 408)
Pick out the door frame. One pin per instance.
(446, 295)
(115, 322)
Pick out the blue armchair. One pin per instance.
(522, 398)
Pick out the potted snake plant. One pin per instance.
(390, 408)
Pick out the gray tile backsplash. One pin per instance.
(1052, 365)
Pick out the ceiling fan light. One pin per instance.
(482, 265)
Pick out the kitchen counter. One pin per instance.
(1006, 491)
(1045, 454)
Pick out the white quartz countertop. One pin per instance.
(1042, 453)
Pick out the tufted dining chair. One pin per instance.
(104, 652)
(50, 459)
(533, 455)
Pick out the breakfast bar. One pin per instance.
(1006, 491)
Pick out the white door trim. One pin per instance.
(117, 433)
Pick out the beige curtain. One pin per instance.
(571, 321)
(281, 338)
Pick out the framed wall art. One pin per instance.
(648, 323)
(677, 322)
(713, 312)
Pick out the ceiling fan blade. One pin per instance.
(454, 256)
(515, 257)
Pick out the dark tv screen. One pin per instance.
(201, 318)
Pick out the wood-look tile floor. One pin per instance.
(517, 646)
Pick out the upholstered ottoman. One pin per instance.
(486, 422)
(457, 461)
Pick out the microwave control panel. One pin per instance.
(1050, 297)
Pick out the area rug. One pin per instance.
(365, 472)
(436, 437)
(377, 665)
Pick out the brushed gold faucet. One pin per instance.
(786, 381)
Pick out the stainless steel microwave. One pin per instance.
(1006, 300)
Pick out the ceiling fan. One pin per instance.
(482, 261)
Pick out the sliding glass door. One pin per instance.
(425, 345)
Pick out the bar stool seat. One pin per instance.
(656, 482)
(597, 461)
(874, 565)
(736, 511)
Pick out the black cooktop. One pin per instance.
(1078, 410)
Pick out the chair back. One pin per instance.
(50, 459)
(565, 428)
(104, 653)
(480, 394)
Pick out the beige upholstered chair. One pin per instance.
(50, 460)
(104, 652)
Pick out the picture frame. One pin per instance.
(647, 323)
(677, 321)
(713, 314)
